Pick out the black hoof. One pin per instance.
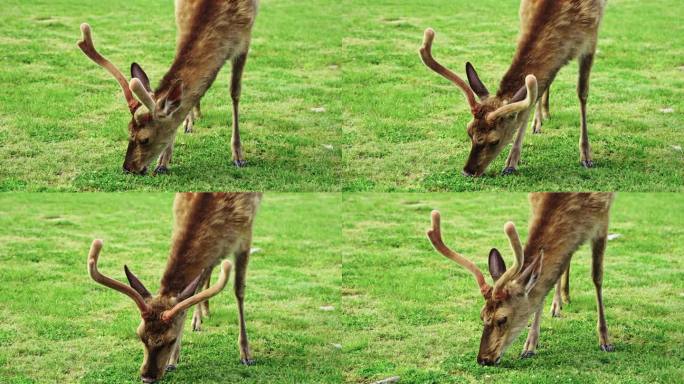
(170, 368)
(527, 354)
(247, 362)
(508, 171)
(587, 163)
(161, 170)
(607, 347)
(240, 163)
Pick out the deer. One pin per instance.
(560, 224)
(207, 228)
(553, 32)
(210, 33)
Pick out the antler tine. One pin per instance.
(435, 236)
(426, 55)
(201, 296)
(139, 89)
(87, 46)
(516, 246)
(95, 274)
(530, 99)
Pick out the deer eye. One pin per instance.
(494, 143)
(501, 321)
(145, 141)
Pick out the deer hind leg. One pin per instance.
(585, 63)
(598, 247)
(533, 336)
(235, 90)
(565, 286)
(197, 313)
(189, 122)
(241, 262)
(541, 112)
(165, 159)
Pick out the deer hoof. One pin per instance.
(247, 362)
(161, 170)
(170, 368)
(607, 347)
(587, 163)
(240, 163)
(508, 171)
(527, 354)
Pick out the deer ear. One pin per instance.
(497, 266)
(530, 275)
(136, 284)
(520, 95)
(138, 73)
(190, 289)
(173, 99)
(475, 83)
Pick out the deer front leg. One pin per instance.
(598, 247)
(175, 354)
(585, 64)
(533, 336)
(241, 262)
(235, 90)
(514, 155)
(198, 312)
(165, 159)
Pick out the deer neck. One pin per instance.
(541, 51)
(197, 66)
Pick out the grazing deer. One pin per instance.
(561, 222)
(209, 34)
(207, 228)
(553, 33)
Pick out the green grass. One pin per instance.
(405, 127)
(63, 119)
(389, 123)
(59, 326)
(408, 311)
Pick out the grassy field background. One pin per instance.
(63, 119)
(59, 326)
(389, 123)
(408, 311)
(405, 126)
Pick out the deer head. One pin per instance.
(495, 120)
(162, 316)
(507, 304)
(154, 117)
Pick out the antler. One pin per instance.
(426, 55)
(87, 46)
(139, 89)
(516, 246)
(201, 296)
(435, 236)
(111, 283)
(530, 99)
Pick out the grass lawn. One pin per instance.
(63, 119)
(408, 311)
(405, 127)
(59, 326)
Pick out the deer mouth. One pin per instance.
(148, 380)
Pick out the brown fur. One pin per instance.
(208, 227)
(560, 224)
(210, 32)
(553, 32)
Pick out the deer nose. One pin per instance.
(126, 169)
(485, 361)
(147, 380)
